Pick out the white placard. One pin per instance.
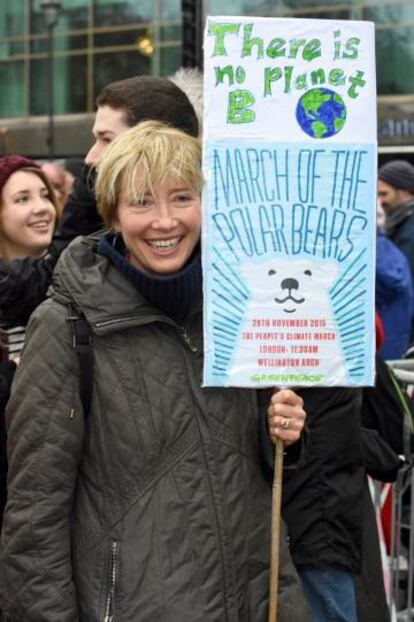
(289, 205)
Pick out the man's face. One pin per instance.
(109, 123)
(390, 197)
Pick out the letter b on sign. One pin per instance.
(239, 110)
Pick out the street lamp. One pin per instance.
(50, 10)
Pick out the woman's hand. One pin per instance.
(285, 416)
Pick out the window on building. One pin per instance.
(99, 41)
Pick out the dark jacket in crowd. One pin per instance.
(393, 297)
(351, 433)
(154, 507)
(385, 430)
(400, 230)
(24, 282)
(6, 375)
(323, 498)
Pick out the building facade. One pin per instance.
(98, 41)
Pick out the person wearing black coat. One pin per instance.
(387, 445)
(326, 502)
(323, 503)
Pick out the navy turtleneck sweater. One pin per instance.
(172, 293)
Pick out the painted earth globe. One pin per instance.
(321, 113)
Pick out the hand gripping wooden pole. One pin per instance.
(275, 530)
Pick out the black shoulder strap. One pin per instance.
(82, 343)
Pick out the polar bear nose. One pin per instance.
(289, 284)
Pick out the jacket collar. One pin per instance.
(94, 286)
(398, 216)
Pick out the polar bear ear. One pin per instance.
(249, 271)
(325, 271)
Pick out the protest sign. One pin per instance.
(289, 204)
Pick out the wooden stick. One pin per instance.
(275, 534)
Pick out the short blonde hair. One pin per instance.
(142, 157)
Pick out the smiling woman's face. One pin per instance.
(27, 216)
(161, 229)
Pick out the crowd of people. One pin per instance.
(132, 492)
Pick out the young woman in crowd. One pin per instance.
(28, 210)
(156, 504)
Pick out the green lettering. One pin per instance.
(351, 47)
(336, 77)
(248, 43)
(312, 50)
(337, 44)
(276, 48)
(239, 107)
(225, 71)
(300, 82)
(318, 76)
(295, 44)
(288, 78)
(271, 75)
(219, 31)
(355, 81)
(240, 75)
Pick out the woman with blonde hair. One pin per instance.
(155, 504)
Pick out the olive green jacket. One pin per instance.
(154, 507)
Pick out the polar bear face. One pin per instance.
(296, 287)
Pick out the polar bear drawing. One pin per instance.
(289, 325)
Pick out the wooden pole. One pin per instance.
(275, 530)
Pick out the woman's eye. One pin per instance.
(141, 203)
(183, 198)
(21, 199)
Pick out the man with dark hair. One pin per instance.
(144, 98)
(396, 194)
(120, 105)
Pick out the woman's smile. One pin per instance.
(165, 245)
(43, 225)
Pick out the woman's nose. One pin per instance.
(40, 206)
(165, 218)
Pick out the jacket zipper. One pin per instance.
(186, 337)
(110, 597)
(197, 398)
(119, 320)
(188, 340)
